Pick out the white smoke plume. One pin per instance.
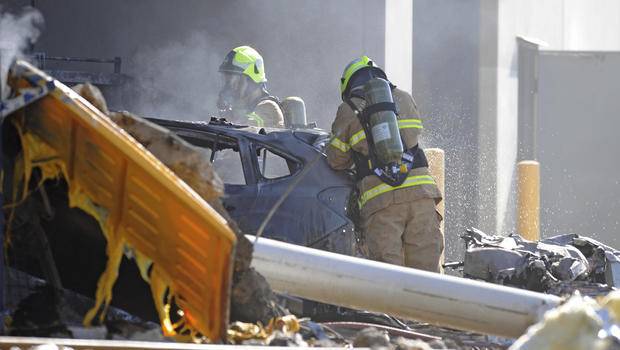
(17, 32)
(177, 80)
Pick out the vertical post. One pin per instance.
(436, 166)
(528, 200)
(399, 43)
(488, 78)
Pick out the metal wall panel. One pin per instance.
(578, 141)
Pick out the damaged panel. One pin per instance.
(182, 246)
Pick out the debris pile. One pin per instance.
(557, 265)
(579, 323)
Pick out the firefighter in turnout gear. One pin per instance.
(243, 96)
(376, 130)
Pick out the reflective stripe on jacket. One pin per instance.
(349, 136)
(412, 123)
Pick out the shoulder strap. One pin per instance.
(267, 97)
(362, 164)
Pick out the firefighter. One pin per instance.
(243, 97)
(396, 194)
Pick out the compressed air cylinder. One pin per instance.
(528, 200)
(388, 145)
(294, 110)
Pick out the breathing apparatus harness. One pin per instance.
(266, 96)
(392, 173)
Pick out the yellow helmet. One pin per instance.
(246, 61)
(355, 66)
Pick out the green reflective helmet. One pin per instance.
(246, 61)
(354, 67)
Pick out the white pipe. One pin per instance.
(409, 293)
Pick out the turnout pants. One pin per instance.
(406, 234)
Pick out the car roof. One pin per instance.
(230, 128)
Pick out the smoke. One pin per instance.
(445, 86)
(305, 47)
(17, 32)
(177, 80)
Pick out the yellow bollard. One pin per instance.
(528, 199)
(436, 166)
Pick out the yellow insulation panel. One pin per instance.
(141, 204)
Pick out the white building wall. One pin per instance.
(591, 25)
(563, 25)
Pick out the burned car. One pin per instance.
(260, 165)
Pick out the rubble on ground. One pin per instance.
(556, 265)
(349, 323)
(43, 312)
(40, 310)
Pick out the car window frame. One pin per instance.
(213, 137)
(256, 145)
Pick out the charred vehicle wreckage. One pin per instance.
(261, 165)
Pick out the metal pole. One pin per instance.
(409, 293)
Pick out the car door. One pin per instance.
(233, 162)
(228, 154)
(275, 172)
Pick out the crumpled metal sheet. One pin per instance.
(544, 266)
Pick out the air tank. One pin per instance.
(294, 112)
(383, 126)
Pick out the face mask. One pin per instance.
(230, 92)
